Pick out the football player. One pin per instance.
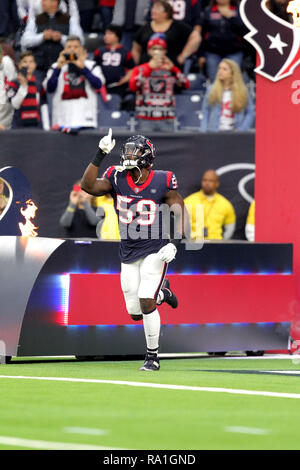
(142, 197)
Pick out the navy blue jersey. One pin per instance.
(143, 218)
(114, 62)
(221, 35)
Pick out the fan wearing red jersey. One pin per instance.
(141, 197)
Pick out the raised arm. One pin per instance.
(90, 182)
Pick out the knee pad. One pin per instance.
(133, 306)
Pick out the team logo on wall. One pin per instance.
(276, 41)
(242, 183)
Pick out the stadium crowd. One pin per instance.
(145, 65)
(117, 63)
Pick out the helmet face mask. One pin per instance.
(137, 152)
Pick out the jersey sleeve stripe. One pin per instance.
(169, 176)
(108, 172)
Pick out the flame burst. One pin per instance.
(28, 229)
(294, 8)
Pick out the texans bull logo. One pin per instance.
(276, 41)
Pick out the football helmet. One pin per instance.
(139, 147)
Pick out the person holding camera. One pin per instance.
(79, 219)
(154, 84)
(25, 93)
(88, 216)
(74, 82)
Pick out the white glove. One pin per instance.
(106, 144)
(168, 252)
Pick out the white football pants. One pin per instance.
(142, 279)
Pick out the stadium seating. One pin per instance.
(187, 103)
(197, 82)
(113, 102)
(116, 119)
(188, 111)
(189, 121)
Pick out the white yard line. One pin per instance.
(246, 430)
(159, 386)
(88, 431)
(275, 357)
(49, 445)
(294, 372)
(236, 356)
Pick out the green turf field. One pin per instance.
(64, 414)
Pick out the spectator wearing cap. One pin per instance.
(115, 60)
(79, 219)
(153, 83)
(182, 41)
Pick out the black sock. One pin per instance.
(152, 352)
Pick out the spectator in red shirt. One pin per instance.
(154, 84)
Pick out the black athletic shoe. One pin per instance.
(170, 297)
(151, 363)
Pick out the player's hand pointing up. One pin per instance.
(106, 144)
